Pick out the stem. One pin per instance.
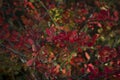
(22, 57)
(86, 21)
(48, 13)
(1, 2)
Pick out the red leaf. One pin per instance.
(5, 26)
(31, 5)
(50, 31)
(34, 54)
(1, 20)
(34, 48)
(89, 44)
(116, 13)
(94, 38)
(79, 49)
(116, 16)
(91, 67)
(30, 62)
(104, 15)
(107, 70)
(87, 56)
(31, 42)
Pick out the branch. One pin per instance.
(85, 22)
(48, 13)
(22, 57)
(1, 2)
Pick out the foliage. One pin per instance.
(60, 39)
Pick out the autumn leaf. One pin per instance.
(31, 5)
(87, 56)
(34, 48)
(31, 42)
(1, 20)
(30, 62)
(64, 71)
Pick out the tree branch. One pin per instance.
(22, 57)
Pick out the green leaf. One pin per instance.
(1, 41)
(32, 1)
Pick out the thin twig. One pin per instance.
(86, 21)
(48, 13)
(22, 57)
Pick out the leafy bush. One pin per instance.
(60, 39)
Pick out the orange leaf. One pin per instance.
(87, 56)
(63, 71)
(56, 70)
(31, 5)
